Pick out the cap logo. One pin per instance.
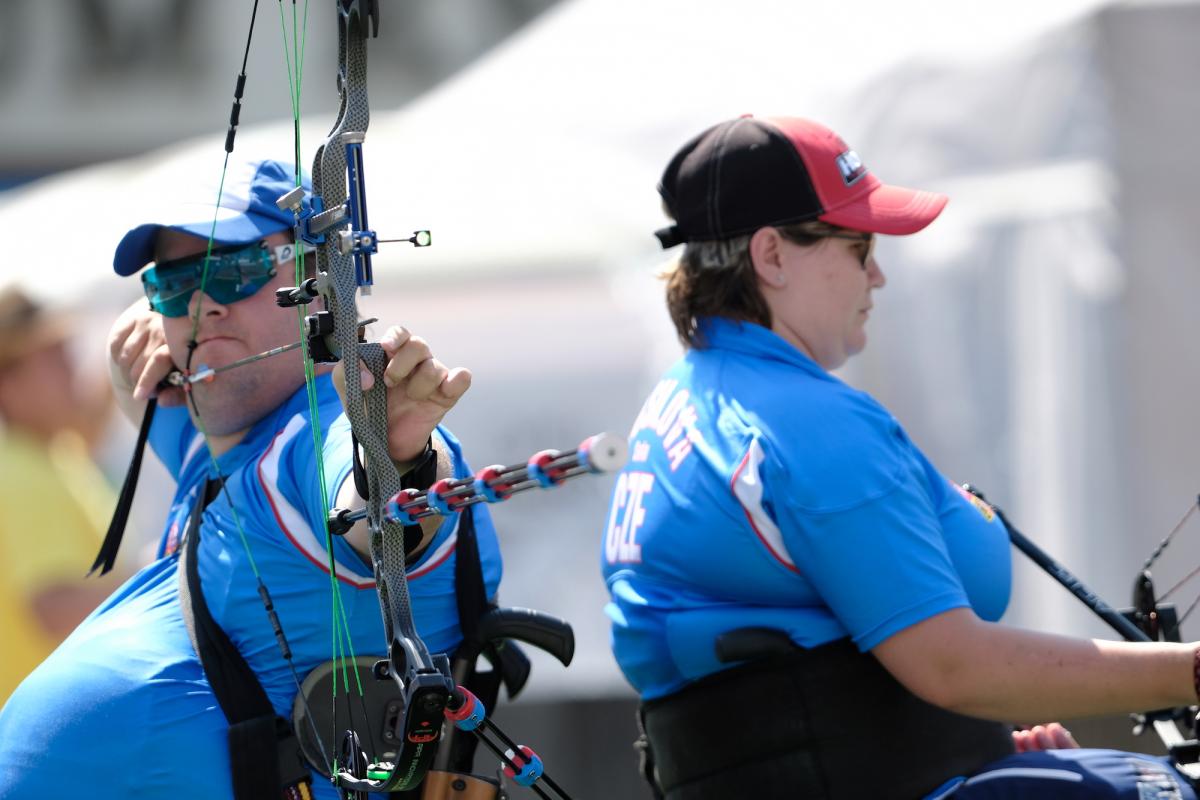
(851, 167)
(284, 253)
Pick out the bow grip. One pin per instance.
(535, 628)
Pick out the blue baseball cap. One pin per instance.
(247, 212)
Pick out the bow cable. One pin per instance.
(342, 646)
(231, 134)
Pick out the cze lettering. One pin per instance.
(626, 518)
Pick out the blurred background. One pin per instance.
(1038, 340)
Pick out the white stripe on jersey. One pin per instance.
(748, 489)
(290, 520)
(193, 448)
(1041, 773)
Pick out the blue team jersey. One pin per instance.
(122, 708)
(763, 491)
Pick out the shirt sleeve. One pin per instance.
(880, 566)
(859, 518)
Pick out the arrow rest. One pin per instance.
(319, 328)
(1145, 612)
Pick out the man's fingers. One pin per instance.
(155, 369)
(125, 326)
(404, 360)
(455, 384)
(133, 346)
(395, 338)
(424, 380)
(433, 381)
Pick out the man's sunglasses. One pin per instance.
(234, 273)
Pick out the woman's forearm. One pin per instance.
(963, 664)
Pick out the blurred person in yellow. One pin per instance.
(54, 501)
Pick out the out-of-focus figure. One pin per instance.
(54, 501)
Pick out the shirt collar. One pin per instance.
(265, 429)
(752, 339)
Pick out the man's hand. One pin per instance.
(420, 390)
(139, 360)
(1051, 736)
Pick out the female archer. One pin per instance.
(765, 493)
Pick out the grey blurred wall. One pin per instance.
(89, 80)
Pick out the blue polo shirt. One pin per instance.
(123, 705)
(763, 491)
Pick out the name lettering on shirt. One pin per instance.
(672, 418)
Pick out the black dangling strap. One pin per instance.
(264, 754)
(107, 556)
(470, 595)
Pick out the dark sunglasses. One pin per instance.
(867, 240)
(234, 273)
(798, 234)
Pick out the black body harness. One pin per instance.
(267, 757)
(828, 723)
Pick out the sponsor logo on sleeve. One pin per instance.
(983, 508)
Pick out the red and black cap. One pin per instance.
(748, 173)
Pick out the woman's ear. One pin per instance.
(767, 257)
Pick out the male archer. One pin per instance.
(125, 707)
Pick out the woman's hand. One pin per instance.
(1051, 736)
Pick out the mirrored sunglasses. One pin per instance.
(234, 273)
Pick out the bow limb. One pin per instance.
(344, 264)
(347, 269)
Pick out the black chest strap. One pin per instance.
(265, 758)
